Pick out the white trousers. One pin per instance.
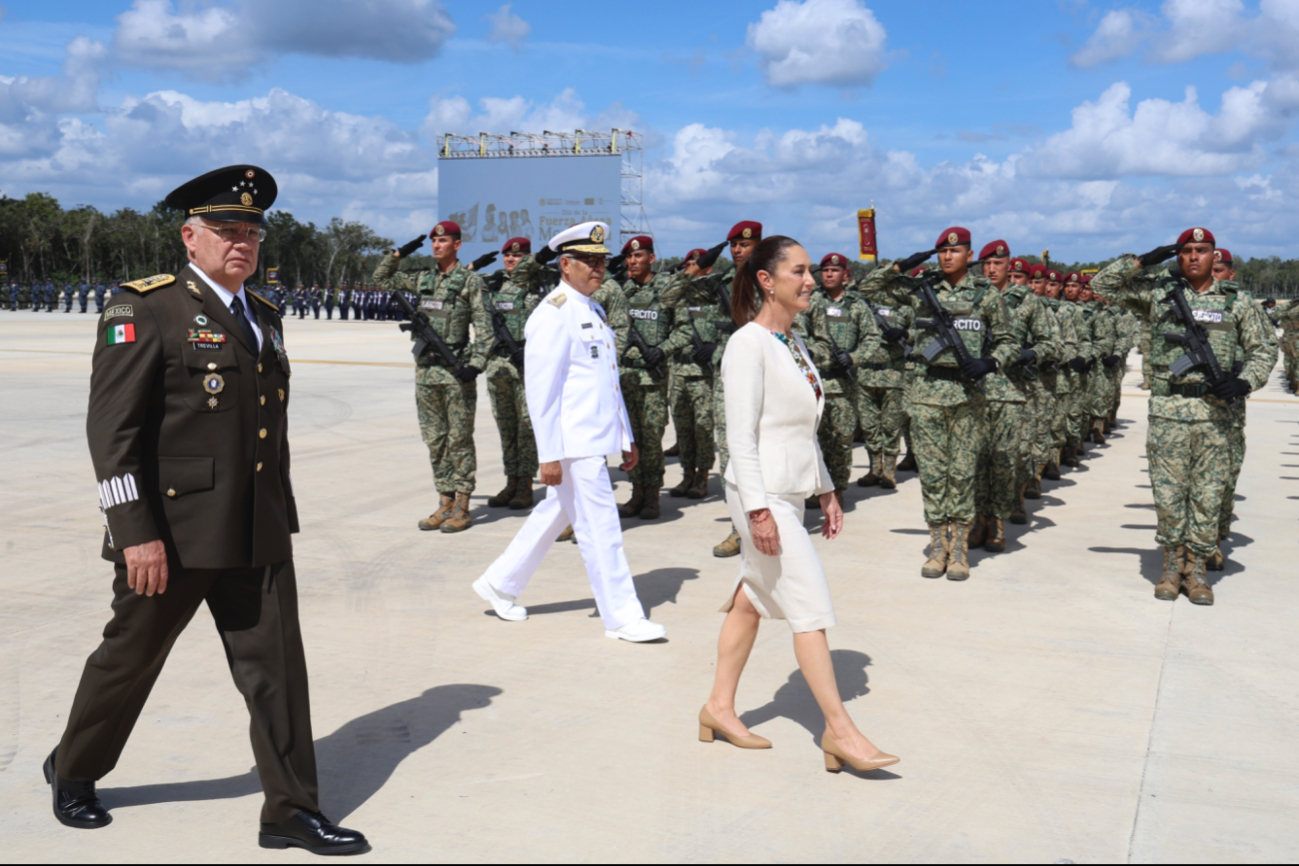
(585, 500)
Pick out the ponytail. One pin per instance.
(745, 290)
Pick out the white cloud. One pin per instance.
(29, 107)
(1119, 34)
(838, 43)
(508, 27)
(1198, 27)
(214, 41)
(500, 115)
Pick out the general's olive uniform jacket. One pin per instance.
(187, 427)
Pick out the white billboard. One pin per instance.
(495, 199)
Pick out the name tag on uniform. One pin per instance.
(1208, 317)
(834, 311)
(429, 304)
(699, 313)
(968, 324)
(648, 315)
(587, 325)
(504, 306)
(885, 313)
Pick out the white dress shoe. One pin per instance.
(503, 604)
(640, 631)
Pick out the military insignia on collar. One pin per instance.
(746, 234)
(193, 289)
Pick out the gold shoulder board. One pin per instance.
(558, 299)
(264, 301)
(148, 284)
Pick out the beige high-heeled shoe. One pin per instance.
(835, 758)
(708, 726)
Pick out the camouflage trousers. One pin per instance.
(1237, 440)
(719, 426)
(1043, 407)
(692, 414)
(836, 431)
(1077, 412)
(446, 422)
(881, 414)
(518, 442)
(1115, 375)
(1099, 393)
(647, 408)
(948, 441)
(1190, 469)
(1145, 353)
(1001, 463)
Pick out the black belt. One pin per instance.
(881, 365)
(949, 374)
(1194, 390)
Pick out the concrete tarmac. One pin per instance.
(1047, 710)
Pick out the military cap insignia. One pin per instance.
(246, 200)
(635, 245)
(746, 234)
(250, 174)
(514, 247)
(952, 237)
(1217, 255)
(597, 235)
(1001, 251)
(834, 260)
(439, 230)
(148, 284)
(1198, 235)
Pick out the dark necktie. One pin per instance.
(237, 307)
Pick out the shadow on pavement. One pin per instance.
(1151, 558)
(657, 587)
(354, 761)
(794, 699)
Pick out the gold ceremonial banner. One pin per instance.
(273, 276)
(866, 234)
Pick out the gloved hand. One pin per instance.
(483, 261)
(1078, 365)
(709, 258)
(977, 368)
(703, 356)
(842, 359)
(1110, 360)
(652, 355)
(1231, 388)
(409, 248)
(1091, 365)
(468, 374)
(894, 335)
(1157, 255)
(516, 357)
(914, 260)
(546, 256)
(1027, 357)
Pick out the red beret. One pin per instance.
(953, 237)
(446, 227)
(1019, 266)
(995, 250)
(517, 245)
(1222, 254)
(1053, 276)
(834, 260)
(694, 254)
(1073, 277)
(1086, 279)
(1037, 272)
(1196, 235)
(747, 230)
(640, 242)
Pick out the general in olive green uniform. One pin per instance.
(447, 400)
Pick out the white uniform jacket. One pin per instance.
(571, 379)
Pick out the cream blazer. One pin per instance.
(772, 415)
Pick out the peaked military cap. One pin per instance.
(237, 193)
(996, 250)
(517, 245)
(444, 228)
(748, 230)
(582, 238)
(1196, 236)
(953, 237)
(640, 242)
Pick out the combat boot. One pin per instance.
(729, 547)
(996, 542)
(1166, 589)
(936, 564)
(958, 558)
(1194, 581)
(1051, 471)
(459, 520)
(434, 520)
(699, 489)
(1033, 489)
(633, 506)
(1218, 561)
(1019, 514)
(1098, 431)
(908, 463)
(674, 451)
(1145, 385)
(888, 472)
(1069, 456)
(650, 510)
(683, 489)
(978, 532)
(503, 498)
(871, 478)
(522, 494)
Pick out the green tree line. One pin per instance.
(40, 240)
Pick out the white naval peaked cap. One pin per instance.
(582, 238)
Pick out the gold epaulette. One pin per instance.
(264, 301)
(148, 284)
(557, 298)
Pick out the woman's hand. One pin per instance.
(833, 515)
(766, 537)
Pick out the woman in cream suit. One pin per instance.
(774, 402)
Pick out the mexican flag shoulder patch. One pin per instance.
(121, 334)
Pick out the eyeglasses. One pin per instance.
(236, 234)
(592, 261)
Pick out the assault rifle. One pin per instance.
(943, 323)
(426, 336)
(883, 325)
(634, 337)
(1195, 342)
(502, 333)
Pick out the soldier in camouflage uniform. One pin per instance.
(511, 295)
(948, 409)
(691, 372)
(644, 390)
(844, 337)
(881, 379)
(1104, 345)
(1074, 399)
(1224, 270)
(451, 296)
(1286, 317)
(1010, 392)
(1191, 424)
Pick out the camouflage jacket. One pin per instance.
(847, 324)
(453, 302)
(1243, 341)
(1103, 334)
(514, 300)
(1035, 328)
(885, 367)
(705, 293)
(654, 320)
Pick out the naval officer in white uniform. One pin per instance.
(578, 416)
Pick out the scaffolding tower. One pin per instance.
(580, 142)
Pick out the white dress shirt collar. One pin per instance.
(228, 298)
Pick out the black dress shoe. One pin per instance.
(75, 803)
(312, 831)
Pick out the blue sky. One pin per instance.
(1089, 128)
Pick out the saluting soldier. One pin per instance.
(1224, 271)
(451, 295)
(188, 436)
(691, 369)
(880, 382)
